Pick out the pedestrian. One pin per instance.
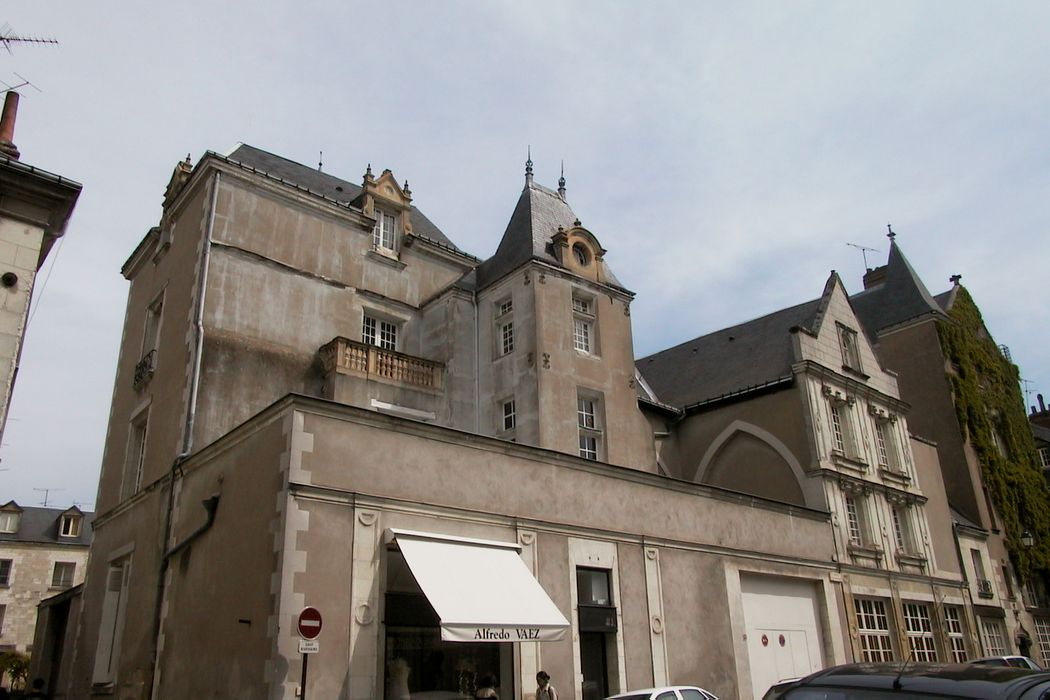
(545, 691)
(487, 688)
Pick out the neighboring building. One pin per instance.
(43, 551)
(35, 207)
(966, 399)
(796, 406)
(321, 400)
(1040, 420)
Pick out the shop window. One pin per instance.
(953, 623)
(993, 635)
(919, 632)
(873, 626)
(597, 628)
(63, 573)
(1042, 638)
(111, 629)
(5, 572)
(418, 662)
(384, 233)
(378, 332)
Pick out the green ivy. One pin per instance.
(988, 401)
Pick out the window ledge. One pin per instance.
(386, 258)
(985, 594)
(872, 552)
(854, 463)
(895, 475)
(910, 559)
(855, 372)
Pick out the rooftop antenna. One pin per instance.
(1027, 383)
(24, 83)
(8, 37)
(47, 492)
(864, 250)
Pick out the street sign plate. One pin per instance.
(309, 623)
(309, 646)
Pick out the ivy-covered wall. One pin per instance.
(991, 410)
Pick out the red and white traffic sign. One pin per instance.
(309, 623)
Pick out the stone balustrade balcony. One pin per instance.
(350, 357)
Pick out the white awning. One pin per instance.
(481, 590)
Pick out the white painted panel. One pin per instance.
(783, 630)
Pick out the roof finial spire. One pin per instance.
(561, 181)
(320, 160)
(891, 235)
(954, 279)
(528, 167)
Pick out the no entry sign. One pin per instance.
(309, 623)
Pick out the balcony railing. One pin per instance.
(346, 356)
(984, 588)
(144, 370)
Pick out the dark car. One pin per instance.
(1015, 661)
(889, 681)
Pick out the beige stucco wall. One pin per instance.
(19, 253)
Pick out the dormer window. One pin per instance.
(9, 521)
(579, 251)
(384, 233)
(70, 525)
(850, 349)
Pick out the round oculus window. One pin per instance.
(580, 252)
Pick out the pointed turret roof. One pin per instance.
(537, 216)
(894, 295)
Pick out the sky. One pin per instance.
(725, 154)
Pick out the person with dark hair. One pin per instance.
(544, 690)
(487, 687)
(37, 689)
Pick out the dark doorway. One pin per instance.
(594, 665)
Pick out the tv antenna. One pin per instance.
(864, 250)
(46, 493)
(25, 82)
(8, 37)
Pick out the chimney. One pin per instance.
(1042, 406)
(7, 126)
(874, 277)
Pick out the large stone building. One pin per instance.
(43, 551)
(35, 207)
(322, 401)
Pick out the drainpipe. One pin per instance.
(187, 442)
(477, 365)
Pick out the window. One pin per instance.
(854, 520)
(151, 335)
(956, 637)
(3, 614)
(70, 526)
(135, 459)
(506, 332)
(378, 332)
(62, 576)
(993, 636)
(850, 349)
(111, 628)
(509, 417)
(885, 444)
(901, 531)
(984, 586)
(589, 422)
(1042, 637)
(1044, 457)
(920, 633)
(579, 251)
(874, 629)
(597, 628)
(505, 307)
(383, 233)
(583, 324)
(5, 572)
(841, 429)
(9, 521)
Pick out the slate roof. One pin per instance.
(1041, 433)
(735, 359)
(41, 526)
(537, 216)
(322, 183)
(900, 297)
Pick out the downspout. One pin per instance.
(187, 442)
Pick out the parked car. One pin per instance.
(888, 681)
(779, 688)
(1015, 661)
(671, 692)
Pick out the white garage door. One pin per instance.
(781, 616)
